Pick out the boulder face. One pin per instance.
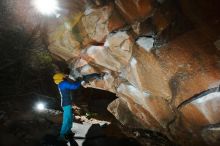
(166, 79)
(133, 10)
(96, 24)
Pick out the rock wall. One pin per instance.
(165, 75)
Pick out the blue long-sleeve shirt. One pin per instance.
(65, 88)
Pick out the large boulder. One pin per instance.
(97, 23)
(63, 43)
(159, 87)
(145, 73)
(158, 109)
(119, 108)
(204, 110)
(120, 46)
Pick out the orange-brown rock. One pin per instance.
(164, 15)
(145, 73)
(120, 46)
(203, 111)
(119, 108)
(108, 83)
(63, 43)
(158, 109)
(97, 23)
(198, 120)
(161, 21)
(158, 88)
(194, 65)
(145, 28)
(98, 55)
(133, 10)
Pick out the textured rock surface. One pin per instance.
(96, 24)
(133, 10)
(203, 111)
(211, 135)
(160, 87)
(120, 46)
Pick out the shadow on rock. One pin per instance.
(96, 137)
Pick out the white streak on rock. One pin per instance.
(133, 61)
(209, 105)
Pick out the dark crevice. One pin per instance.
(197, 96)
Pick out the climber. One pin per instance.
(65, 87)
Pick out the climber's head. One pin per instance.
(58, 77)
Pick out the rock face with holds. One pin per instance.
(166, 79)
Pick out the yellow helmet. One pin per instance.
(58, 77)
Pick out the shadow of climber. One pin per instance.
(96, 137)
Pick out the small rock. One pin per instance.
(146, 42)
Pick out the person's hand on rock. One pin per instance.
(84, 84)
